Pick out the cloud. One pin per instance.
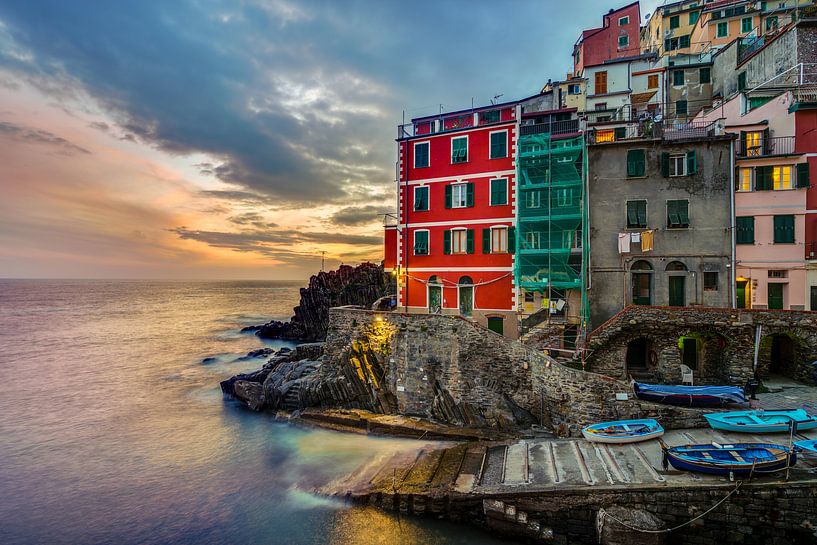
(359, 215)
(58, 144)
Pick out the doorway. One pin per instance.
(781, 356)
(740, 293)
(466, 296)
(435, 298)
(676, 291)
(689, 352)
(775, 296)
(638, 355)
(496, 324)
(641, 273)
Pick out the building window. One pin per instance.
(636, 214)
(601, 83)
(777, 273)
(781, 178)
(681, 107)
(459, 195)
(574, 89)
(601, 106)
(746, 25)
(499, 240)
(420, 242)
(745, 230)
(705, 75)
(533, 199)
(636, 163)
(623, 41)
(499, 192)
(677, 165)
(624, 20)
(683, 41)
(499, 144)
(753, 143)
(491, 116)
(606, 135)
(421, 154)
(784, 229)
(710, 281)
(678, 77)
(742, 81)
(771, 23)
(652, 81)
(533, 240)
(564, 197)
(678, 214)
(421, 198)
(693, 17)
(745, 179)
(763, 178)
(459, 241)
(674, 21)
(459, 150)
(723, 30)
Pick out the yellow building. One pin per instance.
(669, 30)
(722, 22)
(572, 93)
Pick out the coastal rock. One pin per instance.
(614, 533)
(251, 393)
(259, 353)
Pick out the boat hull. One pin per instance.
(761, 421)
(623, 431)
(807, 448)
(694, 461)
(689, 396)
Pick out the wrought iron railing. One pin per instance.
(765, 147)
(553, 127)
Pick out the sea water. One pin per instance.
(113, 428)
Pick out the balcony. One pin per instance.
(665, 130)
(552, 127)
(776, 145)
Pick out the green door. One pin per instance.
(741, 294)
(435, 298)
(496, 324)
(775, 296)
(466, 300)
(676, 291)
(642, 294)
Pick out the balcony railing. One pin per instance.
(665, 130)
(776, 145)
(553, 127)
(674, 130)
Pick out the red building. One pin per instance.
(453, 246)
(619, 36)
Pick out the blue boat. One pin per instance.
(807, 447)
(739, 459)
(689, 396)
(623, 431)
(762, 421)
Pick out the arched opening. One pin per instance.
(782, 356)
(676, 266)
(435, 295)
(676, 282)
(638, 356)
(704, 354)
(641, 275)
(781, 359)
(466, 295)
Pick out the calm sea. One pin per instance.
(112, 430)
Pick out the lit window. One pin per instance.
(754, 143)
(678, 165)
(459, 241)
(607, 135)
(499, 240)
(459, 196)
(781, 177)
(745, 180)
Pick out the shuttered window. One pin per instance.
(745, 230)
(763, 178)
(678, 77)
(636, 214)
(636, 163)
(420, 242)
(499, 192)
(459, 195)
(499, 145)
(459, 149)
(678, 214)
(421, 198)
(781, 178)
(458, 241)
(784, 229)
(421, 154)
(704, 75)
(681, 107)
(601, 83)
(803, 177)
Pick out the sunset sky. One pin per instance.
(237, 139)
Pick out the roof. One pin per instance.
(591, 31)
(714, 6)
(639, 98)
(480, 108)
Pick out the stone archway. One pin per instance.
(705, 354)
(782, 355)
(640, 358)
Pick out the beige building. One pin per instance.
(669, 30)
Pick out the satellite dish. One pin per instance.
(658, 118)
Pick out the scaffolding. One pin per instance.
(551, 224)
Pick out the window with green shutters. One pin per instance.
(803, 177)
(784, 229)
(499, 145)
(742, 81)
(459, 195)
(674, 21)
(745, 230)
(420, 242)
(421, 198)
(636, 214)
(746, 25)
(681, 107)
(459, 150)
(763, 178)
(636, 163)
(723, 30)
(771, 22)
(693, 17)
(458, 241)
(499, 192)
(678, 77)
(683, 41)
(678, 214)
(421, 154)
(705, 75)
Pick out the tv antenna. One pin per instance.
(496, 97)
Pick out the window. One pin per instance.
(710, 281)
(459, 150)
(601, 83)
(745, 230)
(723, 30)
(678, 214)
(763, 178)
(499, 192)
(784, 229)
(636, 214)
(491, 116)
(458, 241)
(693, 17)
(771, 23)
(746, 25)
(683, 41)
(421, 198)
(533, 199)
(803, 178)
(781, 177)
(606, 135)
(636, 163)
(753, 143)
(499, 240)
(459, 196)
(623, 40)
(420, 242)
(742, 81)
(777, 273)
(421, 154)
(533, 240)
(601, 106)
(680, 107)
(675, 21)
(745, 179)
(574, 89)
(499, 144)
(624, 20)
(564, 197)
(652, 81)
(677, 165)
(705, 75)
(678, 77)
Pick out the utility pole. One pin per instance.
(323, 259)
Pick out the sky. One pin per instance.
(238, 139)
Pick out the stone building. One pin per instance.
(660, 211)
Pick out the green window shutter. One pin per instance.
(636, 163)
(803, 178)
(683, 42)
(678, 77)
(499, 145)
(705, 75)
(665, 164)
(421, 199)
(692, 163)
(469, 194)
(681, 107)
(745, 230)
(620, 133)
(632, 213)
(742, 150)
(499, 191)
(767, 142)
(447, 241)
(693, 17)
(642, 213)
(672, 213)
(742, 81)
(763, 178)
(469, 241)
(448, 196)
(511, 240)
(683, 212)
(486, 240)
(784, 229)
(421, 155)
(421, 242)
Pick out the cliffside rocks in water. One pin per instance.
(361, 285)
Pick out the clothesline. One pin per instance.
(456, 284)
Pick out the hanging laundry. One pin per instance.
(647, 239)
(635, 237)
(624, 243)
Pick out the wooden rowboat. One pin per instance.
(762, 421)
(739, 459)
(689, 396)
(623, 431)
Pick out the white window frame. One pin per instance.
(672, 162)
(491, 192)
(533, 239)
(459, 188)
(497, 237)
(490, 135)
(467, 149)
(751, 171)
(428, 190)
(564, 196)
(459, 238)
(781, 169)
(414, 242)
(428, 143)
(622, 21)
(626, 40)
(529, 201)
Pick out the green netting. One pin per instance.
(550, 213)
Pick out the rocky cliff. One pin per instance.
(361, 285)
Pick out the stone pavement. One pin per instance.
(787, 394)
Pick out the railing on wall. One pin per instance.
(776, 145)
(553, 127)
